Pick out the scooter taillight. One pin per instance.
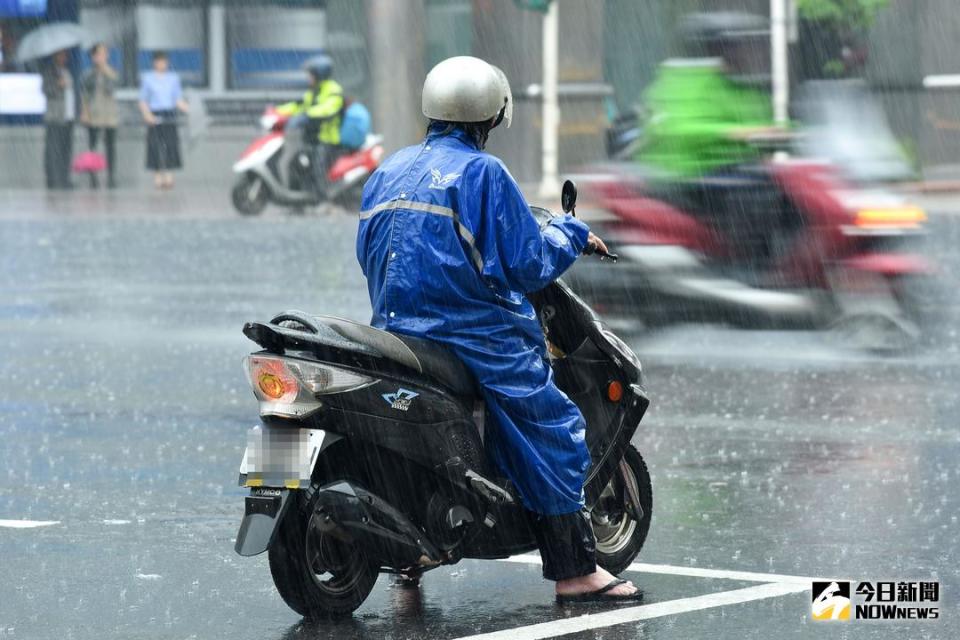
(290, 388)
(272, 380)
(886, 218)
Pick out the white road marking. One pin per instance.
(27, 524)
(746, 576)
(590, 621)
(695, 572)
(116, 522)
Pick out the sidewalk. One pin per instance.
(144, 201)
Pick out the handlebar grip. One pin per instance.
(591, 249)
(611, 256)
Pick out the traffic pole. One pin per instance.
(549, 182)
(779, 60)
(397, 56)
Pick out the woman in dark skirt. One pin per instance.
(161, 97)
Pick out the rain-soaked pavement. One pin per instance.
(776, 457)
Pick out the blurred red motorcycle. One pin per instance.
(277, 167)
(829, 252)
(815, 241)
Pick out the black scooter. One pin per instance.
(370, 456)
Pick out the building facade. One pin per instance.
(241, 54)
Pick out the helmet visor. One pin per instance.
(508, 95)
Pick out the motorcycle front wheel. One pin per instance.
(249, 195)
(316, 574)
(621, 527)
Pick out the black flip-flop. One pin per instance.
(600, 595)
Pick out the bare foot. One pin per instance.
(596, 580)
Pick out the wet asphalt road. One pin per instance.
(123, 411)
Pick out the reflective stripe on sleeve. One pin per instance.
(408, 204)
(437, 210)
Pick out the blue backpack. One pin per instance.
(354, 126)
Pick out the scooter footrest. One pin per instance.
(490, 491)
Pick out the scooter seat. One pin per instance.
(423, 356)
(440, 363)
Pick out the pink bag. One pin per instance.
(89, 162)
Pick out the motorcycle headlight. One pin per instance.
(268, 121)
(291, 388)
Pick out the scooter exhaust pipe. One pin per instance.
(388, 536)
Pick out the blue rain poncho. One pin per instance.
(449, 248)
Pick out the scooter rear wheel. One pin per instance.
(620, 528)
(316, 574)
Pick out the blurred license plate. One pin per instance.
(280, 457)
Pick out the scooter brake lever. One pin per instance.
(590, 249)
(610, 256)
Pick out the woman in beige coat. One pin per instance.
(99, 111)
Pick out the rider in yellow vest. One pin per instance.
(320, 113)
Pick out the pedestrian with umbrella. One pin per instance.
(52, 41)
(58, 121)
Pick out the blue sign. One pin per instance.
(23, 8)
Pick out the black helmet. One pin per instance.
(320, 66)
(741, 39)
(701, 31)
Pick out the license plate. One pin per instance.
(280, 457)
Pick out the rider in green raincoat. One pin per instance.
(699, 119)
(703, 108)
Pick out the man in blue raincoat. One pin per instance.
(449, 248)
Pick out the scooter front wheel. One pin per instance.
(621, 516)
(316, 574)
(250, 195)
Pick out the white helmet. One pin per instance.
(467, 89)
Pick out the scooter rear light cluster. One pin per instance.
(290, 388)
(273, 381)
(903, 217)
(326, 379)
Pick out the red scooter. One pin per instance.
(825, 252)
(277, 167)
(813, 241)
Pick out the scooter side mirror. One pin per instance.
(568, 197)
